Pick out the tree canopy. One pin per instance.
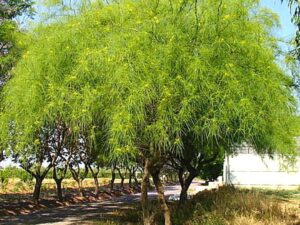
(203, 74)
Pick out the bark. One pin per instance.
(38, 180)
(37, 189)
(180, 177)
(59, 189)
(144, 194)
(95, 176)
(113, 177)
(193, 172)
(185, 187)
(161, 198)
(80, 190)
(136, 180)
(1, 156)
(122, 177)
(96, 186)
(78, 178)
(132, 171)
(58, 181)
(130, 178)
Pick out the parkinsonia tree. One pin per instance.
(147, 75)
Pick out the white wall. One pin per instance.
(250, 169)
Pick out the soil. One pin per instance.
(75, 210)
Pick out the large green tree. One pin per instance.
(143, 74)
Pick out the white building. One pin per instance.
(248, 169)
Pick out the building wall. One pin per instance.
(252, 170)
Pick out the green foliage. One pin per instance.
(103, 173)
(14, 172)
(141, 72)
(10, 9)
(213, 170)
(4, 177)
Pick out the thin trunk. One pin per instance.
(135, 179)
(183, 194)
(113, 177)
(122, 182)
(185, 187)
(58, 181)
(95, 176)
(130, 178)
(180, 177)
(161, 198)
(78, 178)
(1, 156)
(80, 190)
(96, 186)
(59, 189)
(144, 194)
(37, 189)
(122, 178)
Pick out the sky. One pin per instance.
(286, 32)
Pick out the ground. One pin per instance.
(85, 212)
(226, 206)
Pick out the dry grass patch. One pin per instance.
(230, 206)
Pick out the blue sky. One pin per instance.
(287, 30)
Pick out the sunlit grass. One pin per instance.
(226, 206)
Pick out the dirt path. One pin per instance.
(83, 213)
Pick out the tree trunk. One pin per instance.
(96, 186)
(58, 181)
(122, 182)
(180, 177)
(1, 156)
(135, 180)
(112, 181)
(59, 189)
(95, 176)
(185, 184)
(161, 198)
(80, 190)
(144, 194)
(37, 189)
(130, 179)
(122, 178)
(78, 178)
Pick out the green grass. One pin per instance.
(281, 194)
